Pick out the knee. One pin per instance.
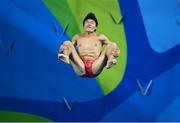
(114, 44)
(111, 45)
(68, 43)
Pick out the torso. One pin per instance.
(89, 47)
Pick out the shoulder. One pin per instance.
(102, 37)
(75, 37)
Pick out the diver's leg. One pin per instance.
(79, 70)
(112, 53)
(99, 63)
(74, 58)
(106, 58)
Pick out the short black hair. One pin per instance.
(92, 16)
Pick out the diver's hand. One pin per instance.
(116, 52)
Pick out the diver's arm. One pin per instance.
(105, 40)
(74, 39)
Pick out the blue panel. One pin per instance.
(172, 111)
(160, 22)
(165, 90)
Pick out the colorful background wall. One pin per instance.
(143, 86)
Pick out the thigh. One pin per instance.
(78, 69)
(100, 63)
(76, 62)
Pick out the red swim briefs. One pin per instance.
(88, 68)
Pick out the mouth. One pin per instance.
(88, 26)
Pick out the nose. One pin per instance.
(88, 24)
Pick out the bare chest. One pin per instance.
(89, 43)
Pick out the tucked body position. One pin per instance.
(89, 52)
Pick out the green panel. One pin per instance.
(63, 14)
(9, 116)
(76, 10)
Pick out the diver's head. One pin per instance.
(90, 22)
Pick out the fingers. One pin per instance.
(116, 52)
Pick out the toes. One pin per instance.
(114, 61)
(110, 63)
(64, 58)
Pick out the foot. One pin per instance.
(110, 63)
(64, 58)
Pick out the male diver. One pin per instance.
(93, 51)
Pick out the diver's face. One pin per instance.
(90, 25)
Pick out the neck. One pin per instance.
(90, 33)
